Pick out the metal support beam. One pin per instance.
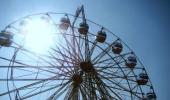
(31, 79)
(80, 10)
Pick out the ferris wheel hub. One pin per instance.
(77, 79)
(87, 66)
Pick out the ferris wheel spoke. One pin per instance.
(35, 88)
(104, 61)
(64, 55)
(70, 45)
(92, 88)
(79, 42)
(26, 86)
(40, 58)
(72, 93)
(92, 48)
(33, 75)
(11, 62)
(65, 59)
(32, 79)
(89, 84)
(42, 68)
(115, 77)
(85, 89)
(26, 75)
(136, 93)
(115, 91)
(6, 59)
(55, 57)
(111, 75)
(115, 58)
(83, 93)
(114, 88)
(117, 84)
(100, 86)
(67, 96)
(72, 42)
(75, 55)
(33, 66)
(124, 77)
(102, 54)
(36, 72)
(30, 66)
(86, 53)
(43, 59)
(76, 46)
(61, 93)
(45, 90)
(108, 66)
(90, 94)
(80, 45)
(68, 68)
(55, 94)
(42, 91)
(103, 73)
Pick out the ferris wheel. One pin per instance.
(61, 56)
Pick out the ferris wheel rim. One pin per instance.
(88, 41)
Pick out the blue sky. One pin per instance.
(143, 24)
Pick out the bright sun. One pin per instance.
(39, 35)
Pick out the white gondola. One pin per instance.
(142, 79)
(117, 47)
(151, 96)
(83, 29)
(64, 23)
(131, 62)
(101, 36)
(5, 38)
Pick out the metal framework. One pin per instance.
(88, 62)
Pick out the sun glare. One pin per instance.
(38, 35)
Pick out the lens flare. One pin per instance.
(38, 35)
